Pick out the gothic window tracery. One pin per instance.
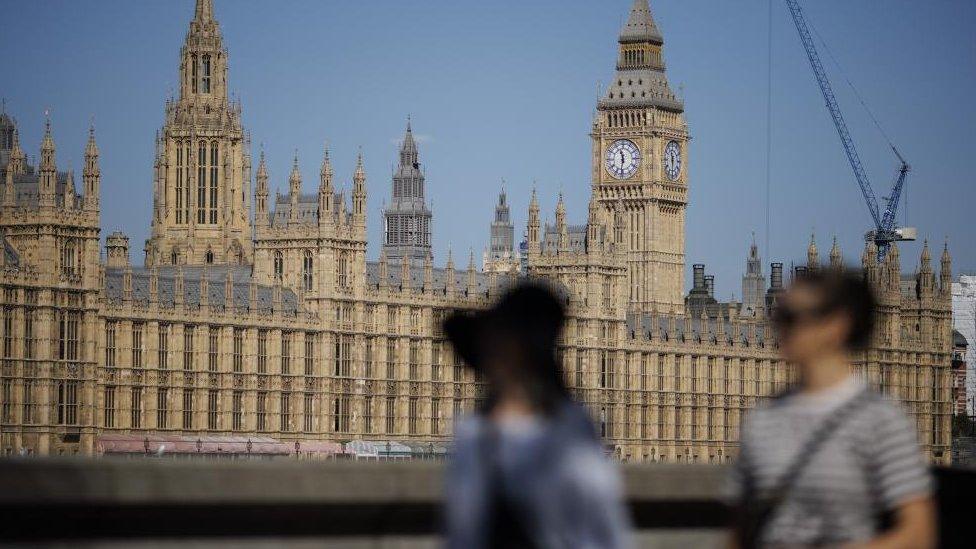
(279, 265)
(307, 271)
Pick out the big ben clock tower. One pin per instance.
(640, 151)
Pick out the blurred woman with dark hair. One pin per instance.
(527, 469)
(825, 463)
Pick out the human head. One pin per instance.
(824, 312)
(514, 344)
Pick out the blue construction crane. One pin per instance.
(884, 232)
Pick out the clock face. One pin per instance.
(672, 160)
(622, 158)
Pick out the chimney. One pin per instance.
(710, 285)
(699, 276)
(776, 276)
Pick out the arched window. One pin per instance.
(69, 259)
(342, 270)
(202, 182)
(174, 257)
(307, 270)
(193, 73)
(205, 81)
(210, 257)
(279, 265)
(213, 183)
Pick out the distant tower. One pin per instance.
(407, 219)
(501, 256)
(753, 282)
(639, 162)
(202, 187)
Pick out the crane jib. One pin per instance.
(884, 232)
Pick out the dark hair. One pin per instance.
(531, 315)
(847, 292)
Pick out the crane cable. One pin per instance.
(864, 104)
(850, 84)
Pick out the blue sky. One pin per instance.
(505, 90)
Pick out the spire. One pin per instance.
(261, 193)
(561, 227)
(813, 256)
(69, 190)
(91, 175)
(428, 272)
(204, 11)
(640, 26)
(836, 260)
(408, 218)
(359, 193)
(18, 160)
(383, 270)
(295, 178)
(533, 223)
(47, 169)
(404, 273)
(945, 272)
(325, 188)
(926, 259)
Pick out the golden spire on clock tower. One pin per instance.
(640, 141)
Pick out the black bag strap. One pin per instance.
(765, 505)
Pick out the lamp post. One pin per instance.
(145, 444)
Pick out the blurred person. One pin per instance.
(830, 463)
(528, 469)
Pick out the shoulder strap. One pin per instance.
(814, 442)
(764, 507)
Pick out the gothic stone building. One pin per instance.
(274, 325)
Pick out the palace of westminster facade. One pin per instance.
(273, 323)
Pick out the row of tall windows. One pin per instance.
(201, 69)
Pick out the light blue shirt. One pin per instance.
(554, 472)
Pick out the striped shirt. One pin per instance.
(869, 464)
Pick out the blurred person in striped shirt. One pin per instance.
(830, 463)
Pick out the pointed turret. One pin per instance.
(47, 169)
(813, 256)
(561, 227)
(533, 224)
(593, 228)
(261, 193)
(18, 159)
(945, 271)
(92, 174)
(294, 189)
(404, 273)
(640, 26)
(359, 192)
(326, 192)
(926, 277)
(449, 275)
(640, 80)
(836, 259)
(428, 273)
(472, 275)
(203, 12)
(68, 200)
(408, 218)
(383, 271)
